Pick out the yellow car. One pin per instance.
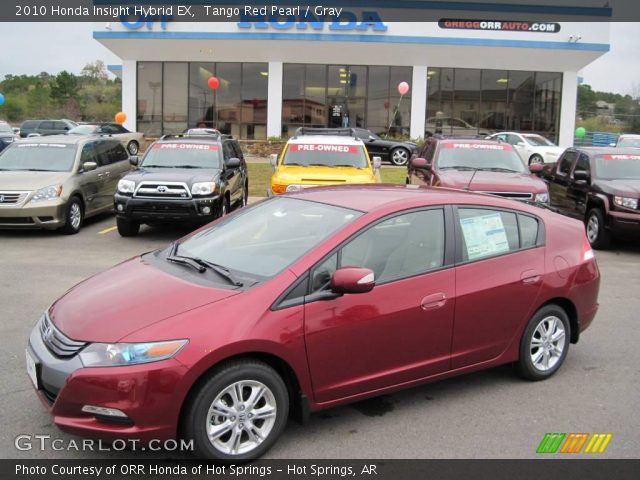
(322, 156)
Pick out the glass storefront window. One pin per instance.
(255, 80)
(480, 102)
(175, 97)
(149, 105)
(202, 111)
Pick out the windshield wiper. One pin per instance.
(345, 165)
(498, 169)
(458, 168)
(202, 265)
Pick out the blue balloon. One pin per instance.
(1, 99)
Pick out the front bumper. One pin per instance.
(624, 224)
(49, 214)
(145, 209)
(148, 394)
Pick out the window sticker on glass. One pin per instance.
(484, 236)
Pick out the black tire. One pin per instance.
(127, 228)
(597, 234)
(196, 418)
(526, 366)
(399, 156)
(536, 159)
(74, 217)
(225, 207)
(133, 148)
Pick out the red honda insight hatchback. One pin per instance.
(307, 301)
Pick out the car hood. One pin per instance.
(622, 187)
(323, 175)
(186, 175)
(133, 295)
(21, 180)
(492, 181)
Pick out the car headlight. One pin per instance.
(626, 202)
(203, 188)
(119, 354)
(126, 186)
(542, 197)
(47, 193)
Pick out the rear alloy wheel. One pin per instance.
(133, 147)
(535, 159)
(224, 206)
(74, 217)
(245, 196)
(399, 156)
(238, 413)
(545, 343)
(127, 228)
(597, 234)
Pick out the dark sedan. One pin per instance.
(395, 151)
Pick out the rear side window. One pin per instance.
(529, 228)
(114, 152)
(30, 124)
(46, 126)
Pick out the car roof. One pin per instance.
(607, 150)
(629, 135)
(372, 197)
(325, 140)
(65, 139)
(480, 141)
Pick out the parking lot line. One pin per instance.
(107, 230)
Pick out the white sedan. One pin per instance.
(130, 140)
(533, 148)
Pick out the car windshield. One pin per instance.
(471, 156)
(267, 238)
(45, 157)
(618, 166)
(329, 155)
(182, 155)
(631, 142)
(83, 129)
(5, 128)
(538, 141)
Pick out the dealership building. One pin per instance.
(489, 67)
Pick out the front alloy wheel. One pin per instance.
(400, 156)
(598, 236)
(237, 412)
(74, 216)
(545, 343)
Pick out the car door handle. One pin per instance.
(106, 174)
(530, 277)
(100, 175)
(433, 301)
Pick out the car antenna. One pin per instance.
(468, 187)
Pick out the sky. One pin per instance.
(52, 47)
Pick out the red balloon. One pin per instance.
(213, 83)
(403, 88)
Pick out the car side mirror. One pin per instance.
(536, 168)
(133, 160)
(89, 166)
(273, 159)
(377, 163)
(16, 130)
(420, 163)
(233, 162)
(352, 280)
(581, 175)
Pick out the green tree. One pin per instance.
(64, 87)
(586, 101)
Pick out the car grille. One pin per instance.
(513, 195)
(56, 341)
(162, 210)
(16, 220)
(166, 190)
(12, 197)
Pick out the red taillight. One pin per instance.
(587, 252)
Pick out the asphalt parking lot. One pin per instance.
(491, 414)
